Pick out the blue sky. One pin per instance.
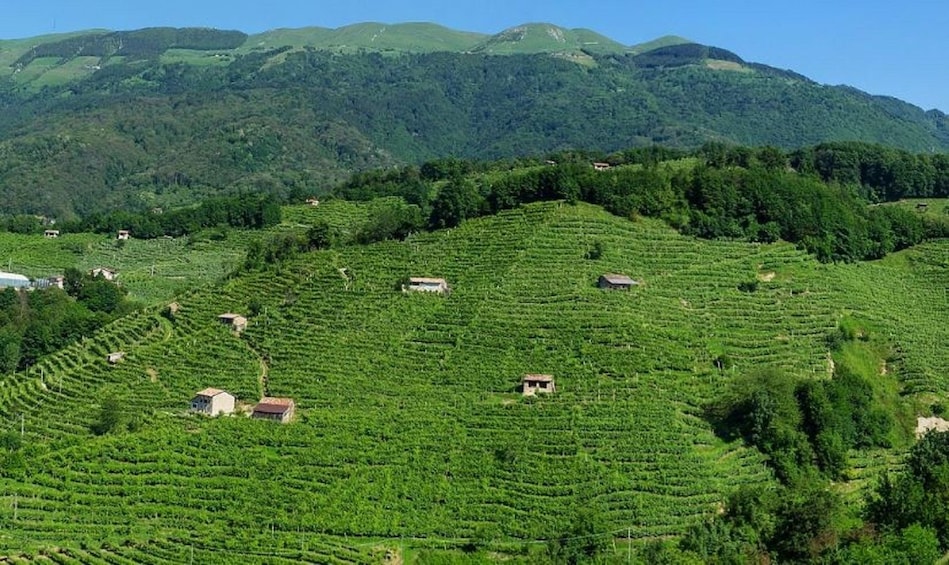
(890, 48)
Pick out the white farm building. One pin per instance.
(212, 401)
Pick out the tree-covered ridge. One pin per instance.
(809, 197)
(148, 42)
(155, 133)
(37, 323)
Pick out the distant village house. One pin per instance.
(425, 284)
(271, 408)
(312, 201)
(212, 401)
(531, 384)
(104, 272)
(51, 234)
(601, 166)
(613, 281)
(123, 234)
(237, 322)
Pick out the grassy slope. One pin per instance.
(546, 38)
(413, 37)
(664, 41)
(408, 423)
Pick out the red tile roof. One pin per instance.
(271, 405)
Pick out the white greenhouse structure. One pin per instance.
(13, 280)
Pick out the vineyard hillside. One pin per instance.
(410, 434)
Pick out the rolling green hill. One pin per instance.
(409, 434)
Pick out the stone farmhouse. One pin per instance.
(213, 401)
(104, 272)
(237, 322)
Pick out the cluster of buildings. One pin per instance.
(215, 402)
(22, 282)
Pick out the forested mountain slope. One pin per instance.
(164, 116)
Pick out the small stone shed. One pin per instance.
(272, 408)
(115, 357)
(237, 322)
(123, 234)
(427, 284)
(613, 281)
(213, 401)
(533, 383)
(52, 234)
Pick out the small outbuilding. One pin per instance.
(51, 234)
(213, 401)
(58, 281)
(313, 201)
(922, 207)
(601, 166)
(237, 322)
(531, 384)
(104, 272)
(272, 408)
(123, 234)
(613, 281)
(426, 284)
(115, 357)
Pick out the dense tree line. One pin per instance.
(733, 192)
(35, 323)
(883, 174)
(142, 43)
(246, 211)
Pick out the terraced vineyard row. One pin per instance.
(409, 424)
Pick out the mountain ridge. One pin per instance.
(166, 116)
